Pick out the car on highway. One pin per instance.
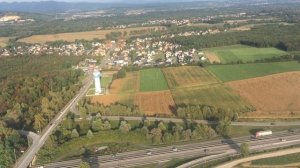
(149, 153)
(282, 139)
(174, 149)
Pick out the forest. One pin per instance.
(283, 37)
(30, 97)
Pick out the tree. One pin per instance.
(74, 134)
(145, 130)
(187, 134)
(224, 127)
(245, 149)
(84, 165)
(161, 126)
(107, 125)
(156, 135)
(167, 138)
(97, 125)
(90, 134)
(124, 127)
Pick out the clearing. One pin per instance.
(235, 53)
(152, 80)
(273, 96)
(217, 95)
(88, 35)
(244, 71)
(186, 76)
(152, 103)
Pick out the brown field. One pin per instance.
(274, 96)
(187, 76)
(71, 37)
(212, 57)
(4, 41)
(152, 103)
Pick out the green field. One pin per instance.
(235, 53)
(279, 160)
(152, 80)
(244, 71)
(216, 95)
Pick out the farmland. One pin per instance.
(152, 103)
(244, 71)
(152, 80)
(279, 160)
(274, 96)
(187, 76)
(3, 41)
(71, 37)
(234, 53)
(121, 90)
(216, 95)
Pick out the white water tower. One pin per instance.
(97, 76)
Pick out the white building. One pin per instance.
(97, 76)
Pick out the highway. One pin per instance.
(207, 150)
(28, 156)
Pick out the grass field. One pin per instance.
(214, 95)
(187, 76)
(280, 160)
(3, 41)
(234, 53)
(71, 37)
(244, 71)
(152, 80)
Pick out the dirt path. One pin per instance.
(261, 156)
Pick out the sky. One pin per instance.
(89, 0)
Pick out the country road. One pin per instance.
(177, 120)
(261, 156)
(28, 156)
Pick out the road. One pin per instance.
(28, 156)
(261, 156)
(177, 120)
(212, 150)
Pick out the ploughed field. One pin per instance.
(187, 76)
(87, 35)
(3, 41)
(241, 53)
(273, 96)
(152, 103)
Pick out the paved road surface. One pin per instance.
(215, 149)
(28, 156)
(261, 156)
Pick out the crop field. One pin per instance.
(217, 95)
(187, 76)
(71, 37)
(3, 41)
(152, 80)
(274, 96)
(152, 103)
(244, 71)
(234, 53)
